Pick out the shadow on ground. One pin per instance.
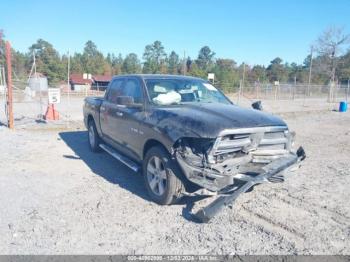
(103, 164)
(115, 172)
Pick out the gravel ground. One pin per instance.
(56, 197)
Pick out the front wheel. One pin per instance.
(94, 139)
(161, 176)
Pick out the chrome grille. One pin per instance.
(274, 138)
(232, 143)
(265, 138)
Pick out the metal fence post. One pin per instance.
(347, 90)
(239, 92)
(9, 85)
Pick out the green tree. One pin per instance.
(258, 74)
(48, 61)
(188, 65)
(155, 58)
(196, 71)
(131, 64)
(93, 60)
(117, 64)
(321, 70)
(343, 71)
(2, 48)
(173, 63)
(76, 65)
(19, 65)
(205, 58)
(297, 73)
(226, 74)
(109, 62)
(276, 71)
(225, 64)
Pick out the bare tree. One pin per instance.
(330, 46)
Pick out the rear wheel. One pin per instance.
(94, 139)
(161, 176)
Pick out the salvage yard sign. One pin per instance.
(54, 95)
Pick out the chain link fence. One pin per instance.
(330, 94)
(30, 107)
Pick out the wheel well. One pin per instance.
(189, 186)
(151, 143)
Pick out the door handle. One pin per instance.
(119, 113)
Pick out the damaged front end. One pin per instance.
(237, 158)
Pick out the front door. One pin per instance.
(109, 112)
(130, 135)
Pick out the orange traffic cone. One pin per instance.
(51, 113)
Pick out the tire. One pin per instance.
(161, 176)
(94, 139)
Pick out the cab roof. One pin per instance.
(159, 76)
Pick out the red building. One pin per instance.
(81, 82)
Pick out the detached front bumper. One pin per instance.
(228, 192)
(221, 176)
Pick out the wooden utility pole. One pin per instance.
(239, 92)
(9, 85)
(294, 87)
(68, 77)
(310, 72)
(307, 91)
(36, 83)
(68, 87)
(332, 86)
(243, 77)
(347, 91)
(184, 64)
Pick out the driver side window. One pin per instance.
(115, 90)
(132, 87)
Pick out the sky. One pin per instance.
(254, 32)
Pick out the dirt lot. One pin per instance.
(56, 197)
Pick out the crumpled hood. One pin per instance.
(208, 119)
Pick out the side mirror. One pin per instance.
(257, 105)
(127, 101)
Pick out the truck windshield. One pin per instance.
(178, 91)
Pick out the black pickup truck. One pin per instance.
(185, 136)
